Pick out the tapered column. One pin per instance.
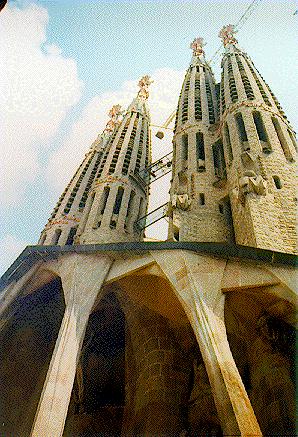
(82, 277)
(197, 281)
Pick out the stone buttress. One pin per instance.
(196, 204)
(259, 150)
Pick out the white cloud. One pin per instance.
(163, 100)
(11, 247)
(37, 90)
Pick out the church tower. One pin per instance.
(260, 154)
(63, 224)
(104, 334)
(196, 204)
(120, 195)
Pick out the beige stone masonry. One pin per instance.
(82, 277)
(196, 280)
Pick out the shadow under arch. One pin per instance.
(262, 341)
(150, 362)
(27, 340)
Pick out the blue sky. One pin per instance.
(67, 62)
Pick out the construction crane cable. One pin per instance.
(244, 17)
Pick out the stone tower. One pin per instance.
(196, 191)
(63, 224)
(120, 195)
(260, 154)
(104, 334)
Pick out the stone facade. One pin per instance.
(234, 173)
(162, 339)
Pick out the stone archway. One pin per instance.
(168, 393)
(27, 341)
(97, 400)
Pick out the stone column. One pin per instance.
(196, 279)
(82, 277)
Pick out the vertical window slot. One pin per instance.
(118, 200)
(262, 134)
(202, 199)
(277, 182)
(200, 148)
(282, 140)
(184, 149)
(242, 131)
(228, 142)
(56, 237)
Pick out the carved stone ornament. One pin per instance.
(144, 84)
(197, 46)
(249, 183)
(227, 35)
(181, 201)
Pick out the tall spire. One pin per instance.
(120, 196)
(194, 198)
(63, 223)
(259, 149)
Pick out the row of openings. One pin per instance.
(61, 198)
(130, 147)
(90, 182)
(198, 103)
(232, 83)
(185, 101)
(57, 235)
(273, 96)
(117, 206)
(200, 150)
(210, 103)
(259, 84)
(223, 102)
(246, 83)
(118, 148)
(77, 185)
(262, 134)
(107, 152)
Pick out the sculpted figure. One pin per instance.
(181, 198)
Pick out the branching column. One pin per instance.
(82, 277)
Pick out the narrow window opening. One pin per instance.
(282, 139)
(202, 199)
(140, 214)
(129, 209)
(56, 236)
(219, 160)
(242, 131)
(262, 134)
(184, 150)
(200, 151)
(228, 142)
(118, 200)
(104, 199)
(221, 208)
(277, 182)
(71, 236)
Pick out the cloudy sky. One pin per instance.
(67, 62)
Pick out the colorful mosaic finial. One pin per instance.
(144, 84)
(227, 35)
(197, 46)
